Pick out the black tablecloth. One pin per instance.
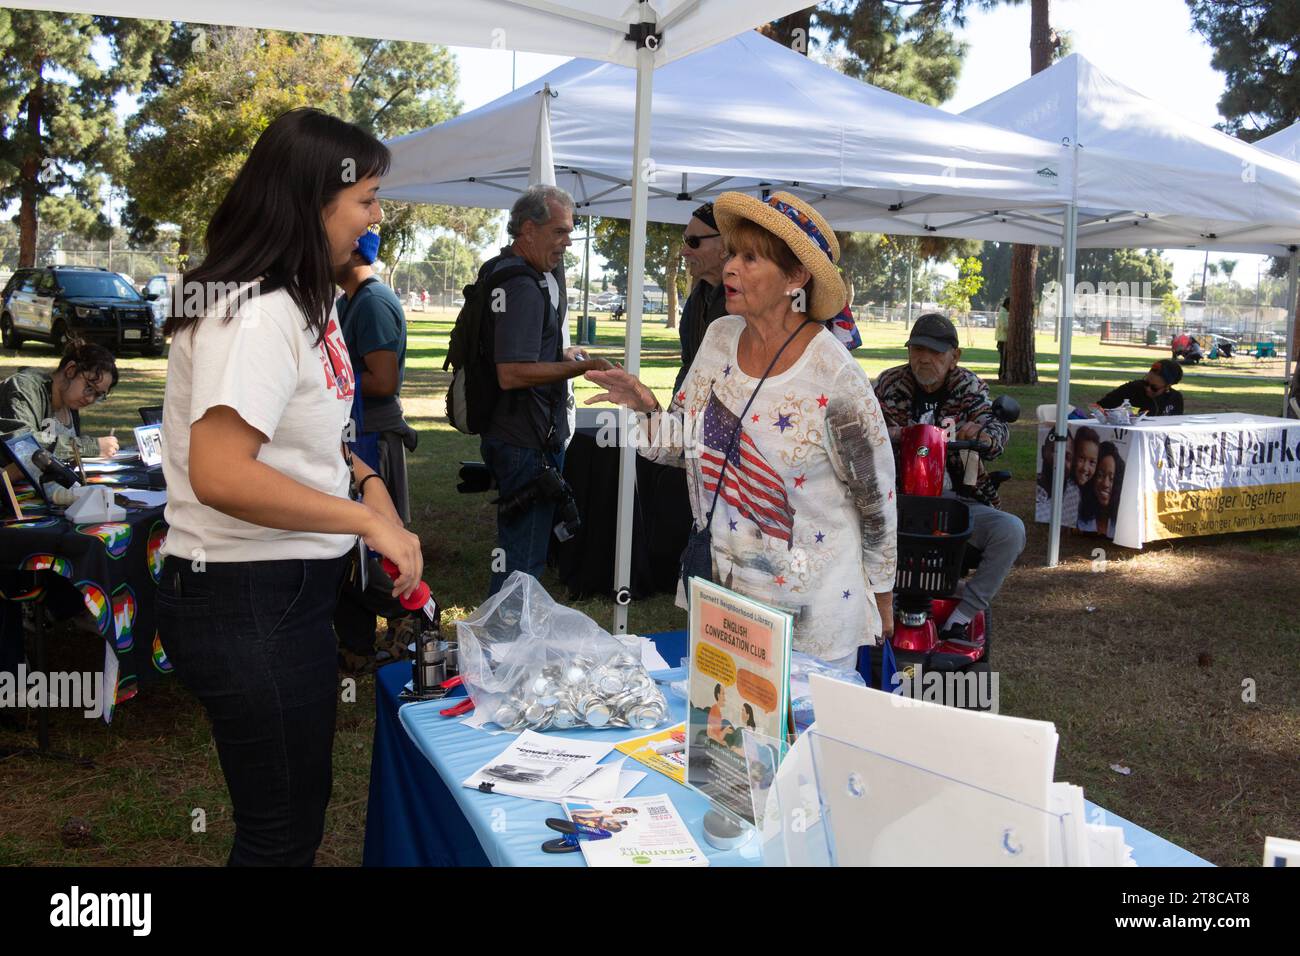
(112, 567)
(661, 522)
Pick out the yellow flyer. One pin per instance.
(740, 679)
(664, 751)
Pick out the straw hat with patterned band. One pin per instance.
(802, 228)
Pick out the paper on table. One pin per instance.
(478, 720)
(147, 497)
(104, 467)
(538, 767)
(1106, 846)
(609, 782)
(1066, 800)
(122, 454)
(108, 682)
(645, 831)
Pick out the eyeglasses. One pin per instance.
(92, 393)
(694, 241)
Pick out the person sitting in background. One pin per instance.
(931, 388)
(49, 405)
(1153, 394)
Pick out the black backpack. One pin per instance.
(474, 389)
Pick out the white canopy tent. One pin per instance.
(641, 33)
(1143, 176)
(772, 119)
(1286, 143)
(594, 29)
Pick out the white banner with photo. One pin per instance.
(1175, 477)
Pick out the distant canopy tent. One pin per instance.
(1286, 143)
(1146, 176)
(1142, 176)
(773, 120)
(643, 33)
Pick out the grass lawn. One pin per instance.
(1141, 665)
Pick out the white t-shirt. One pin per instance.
(265, 364)
(808, 519)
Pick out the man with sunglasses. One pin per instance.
(1153, 394)
(704, 252)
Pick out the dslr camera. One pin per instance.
(548, 486)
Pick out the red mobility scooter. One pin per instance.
(934, 554)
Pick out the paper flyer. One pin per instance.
(664, 751)
(646, 831)
(739, 678)
(540, 767)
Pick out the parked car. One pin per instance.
(53, 303)
(157, 292)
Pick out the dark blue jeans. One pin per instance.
(254, 643)
(526, 539)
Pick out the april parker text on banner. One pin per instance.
(1230, 479)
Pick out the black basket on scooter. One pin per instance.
(932, 536)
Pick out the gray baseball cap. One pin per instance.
(933, 331)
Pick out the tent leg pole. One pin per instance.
(1066, 312)
(1291, 283)
(632, 356)
(1060, 283)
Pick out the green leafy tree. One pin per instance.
(663, 257)
(903, 47)
(875, 266)
(189, 141)
(1255, 44)
(957, 293)
(212, 91)
(1171, 310)
(58, 130)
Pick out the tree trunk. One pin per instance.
(29, 173)
(791, 31)
(670, 282)
(1021, 366)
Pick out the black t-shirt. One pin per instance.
(529, 330)
(931, 402)
(1170, 403)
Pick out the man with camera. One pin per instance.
(523, 446)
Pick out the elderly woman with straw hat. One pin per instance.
(790, 469)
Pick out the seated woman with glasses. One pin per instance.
(1153, 394)
(49, 404)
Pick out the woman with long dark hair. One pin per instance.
(259, 389)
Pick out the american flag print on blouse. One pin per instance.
(806, 518)
(749, 483)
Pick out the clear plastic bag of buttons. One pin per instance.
(803, 666)
(532, 664)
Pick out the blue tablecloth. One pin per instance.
(420, 815)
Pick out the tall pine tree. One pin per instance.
(58, 130)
